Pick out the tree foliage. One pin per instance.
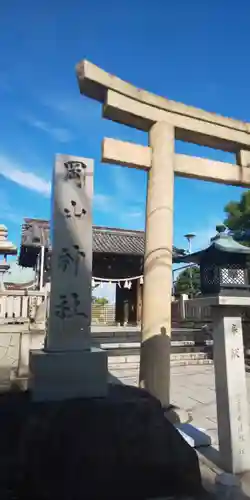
(102, 301)
(188, 281)
(238, 218)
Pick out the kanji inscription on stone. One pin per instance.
(70, 258)
(240, 428)
(235, 352)
(74, 210)
(69, 306)
(76, 171)
(235, 329)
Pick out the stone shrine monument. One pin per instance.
(69, 367)
(85, 437)
(110, 440)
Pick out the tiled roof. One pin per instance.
(35, 232)
(110, 240)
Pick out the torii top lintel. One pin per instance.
(138, 108)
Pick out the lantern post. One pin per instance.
(225, 288)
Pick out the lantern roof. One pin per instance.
(222, 243)
(6, 247)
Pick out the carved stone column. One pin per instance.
(69, 367)
(231, 389)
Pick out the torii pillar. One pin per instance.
(158, 161)
(156, 309)
(164, 120)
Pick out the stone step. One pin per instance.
(127, 348)
(122, 360)
(121, 337)
(192, 362)
(128, 366)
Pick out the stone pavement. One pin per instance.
(193, 389)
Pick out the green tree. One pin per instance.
(98, 308)
(101, 301)
(188, 281)
(238, 217)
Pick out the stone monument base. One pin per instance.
(56, 376)
(119, 447)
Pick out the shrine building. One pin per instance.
(117, 254)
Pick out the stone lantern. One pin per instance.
(6, 248)
(225, 290)
(223, 266)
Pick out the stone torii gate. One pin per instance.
(165, 121)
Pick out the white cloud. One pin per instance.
(77, 111)
(27, 179)
(109, 204)
(122, 197)
(15, 173)
(136, 214)
(60, 134)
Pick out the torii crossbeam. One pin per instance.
(165, 121)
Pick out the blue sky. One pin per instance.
(190, 51)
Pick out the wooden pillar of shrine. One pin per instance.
(126, 311)
(139, 302)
